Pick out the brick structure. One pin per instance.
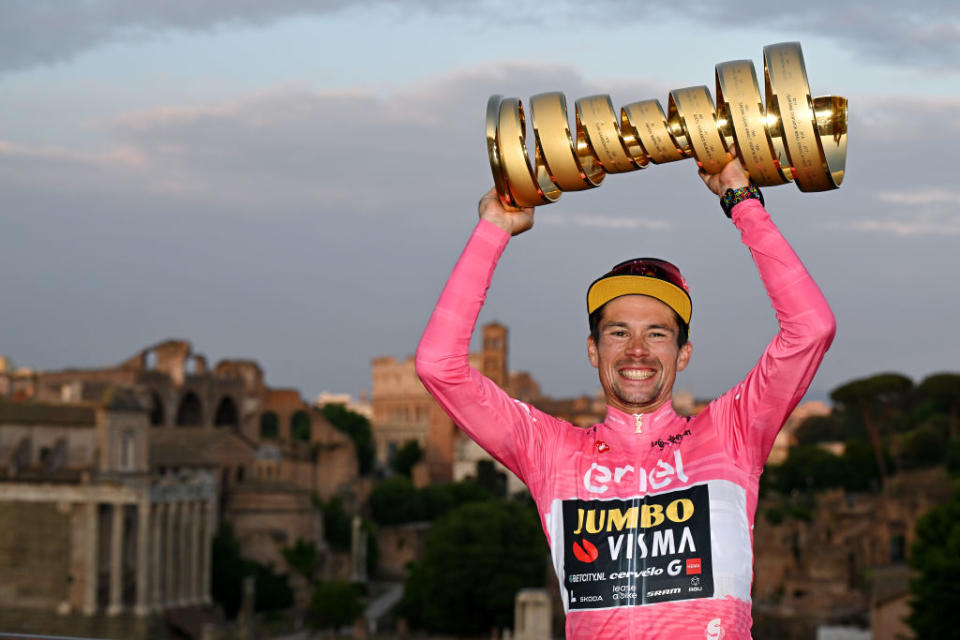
(121, 475)
(403, 410)
(825, 567)
(97, 530)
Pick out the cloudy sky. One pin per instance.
(292, 180)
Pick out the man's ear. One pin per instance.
(592, 351)
(683, 357)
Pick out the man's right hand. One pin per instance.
(513, 221)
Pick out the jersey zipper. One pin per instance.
(638, 419)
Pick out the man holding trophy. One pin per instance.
(648, 514)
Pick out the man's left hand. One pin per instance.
(732, 176)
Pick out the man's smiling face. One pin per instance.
(636, 354)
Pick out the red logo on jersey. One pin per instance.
(587, 553)
(693, 565)
(602, 447)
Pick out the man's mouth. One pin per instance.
(636, 374)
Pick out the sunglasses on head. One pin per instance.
(651, 268)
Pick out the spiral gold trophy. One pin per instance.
(795, 139)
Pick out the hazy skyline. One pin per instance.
(292, 181)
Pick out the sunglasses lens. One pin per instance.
(651, 268)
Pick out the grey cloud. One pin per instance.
(47, 31)
(923, 34)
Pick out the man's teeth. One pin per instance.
(633, 374)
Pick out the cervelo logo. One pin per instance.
(598, 478)
(714, 630)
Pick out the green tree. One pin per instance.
(395, 501)
(935, 556)
(475, 560)
(925, 446)
(809, 468)
(872, 396)
(944, 388)
(406, 457)
(228, 570)
(834, 427)
(953, 456)
(357, 427)
(335, 604)
(272, 590)
(337, 523)
(303, 557)
(860, 472)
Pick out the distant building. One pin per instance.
(404, 411)
(91, 526)
(844, 554)
(128, 470)
(362, 406)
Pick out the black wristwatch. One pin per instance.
(735, 196)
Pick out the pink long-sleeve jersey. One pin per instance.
(649, 517)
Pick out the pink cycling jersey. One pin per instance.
(649, 517)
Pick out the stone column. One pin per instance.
(143, 558)
(170, 569)
(156, 566)
(210, 527)
(90, 579)
(183, 558)
(196, 561)
(186, 558)
(116, 561)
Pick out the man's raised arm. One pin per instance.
(475, 403)
(760, 404)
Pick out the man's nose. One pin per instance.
(637, 346)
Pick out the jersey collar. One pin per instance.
(626, 422)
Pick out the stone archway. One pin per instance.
(190, 411)
(226, 413)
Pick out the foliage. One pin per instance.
(335, 604)
(925, 446)
(881, 388)
(876, 397)
(397, 501)
(272, 590)
(476, 558)
(394, 501)
(935, 556)
(373, 547)
(356, 426)
(406, 457)
(303, 557)
(944, 389)
(337, 523)
(816, 429)
(953, 456)
(810, 468)
(228, 570)
(491, 479)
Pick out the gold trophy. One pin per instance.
(795, 139)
